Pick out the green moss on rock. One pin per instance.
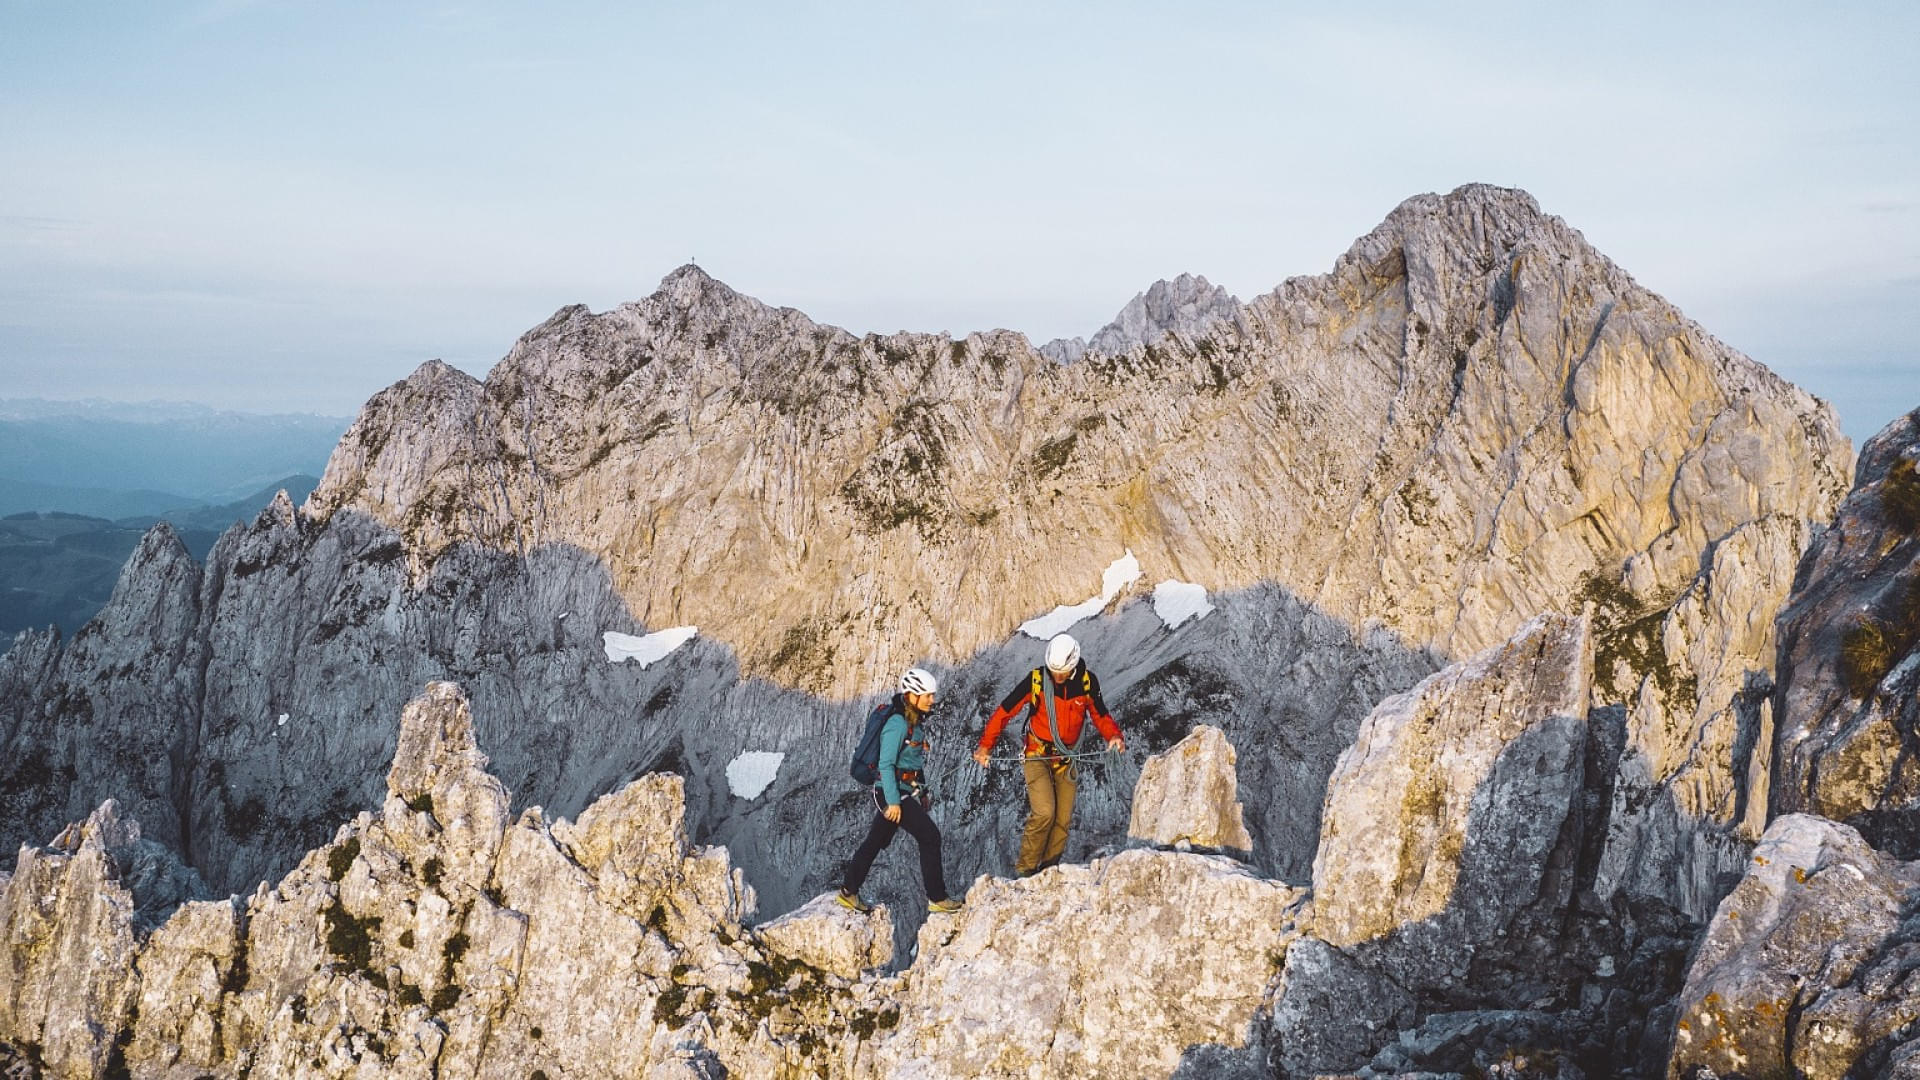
(340, 859)
(350, 939)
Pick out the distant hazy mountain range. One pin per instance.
(114, 460)
(81, 481)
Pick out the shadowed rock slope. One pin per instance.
(1850, 657)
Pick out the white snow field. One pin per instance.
(750, 773)
(1177, 601)
(1124, 572)
(647, 649)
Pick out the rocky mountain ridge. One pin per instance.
(1468, 417)
(1472, 420)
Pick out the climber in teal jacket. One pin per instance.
(900, 797)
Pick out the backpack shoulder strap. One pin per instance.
(1053, 722)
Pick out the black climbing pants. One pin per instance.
(914, 819)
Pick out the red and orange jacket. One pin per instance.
(1072, 704)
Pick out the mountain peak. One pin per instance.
(689, 284)
(686, 272)
(435, 372)
(1189, 305)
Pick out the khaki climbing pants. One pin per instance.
(1050, 791)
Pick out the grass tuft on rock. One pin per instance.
(1900, 495)
(350, 939)
(340, 859)
(1866, 655)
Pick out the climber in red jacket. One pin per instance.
(1062, 698)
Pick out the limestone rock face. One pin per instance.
(1454, 795)
(1447, 433)
(1318, 1023)
(1070, 972)
(67, 924)
(1696, 683)
(1849, 693)
(187, 963)
(1806, 968)
(1190, 794)
(822, 933)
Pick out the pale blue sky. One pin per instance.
(285, 206)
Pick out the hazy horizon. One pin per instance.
(273, 206)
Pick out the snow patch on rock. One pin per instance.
(1177, 601)
(1123, 572)
(648, 649)
(750, 773)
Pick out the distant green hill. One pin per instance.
(59, 567)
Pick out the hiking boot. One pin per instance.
(1028, 872)
(945, 907)
(853, 901)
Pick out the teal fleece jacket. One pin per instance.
(900, 751)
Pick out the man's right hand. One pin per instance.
(980, 757)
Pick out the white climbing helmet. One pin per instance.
(1062, 654)
(919, 681)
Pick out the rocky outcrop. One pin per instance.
(1068, 973)
(1807, 967)
(308, 634)
(1190, 796)
(68, 928)
(824, 934)
(1470, 776)
(192, 960)
(108, 713)
(72, 917)
(444, 936)
(1849, 695)
(1694, 678)
(1452, 892)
